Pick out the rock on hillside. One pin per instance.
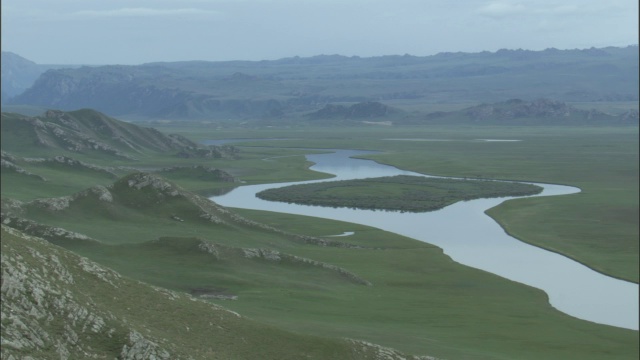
(8, 163)
(57, 305)
(198, 172)
(85, 131)
(139, 192)
(46, 312)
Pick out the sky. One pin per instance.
(97, 32)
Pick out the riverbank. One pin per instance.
(471, 238)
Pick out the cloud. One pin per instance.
(499, 9)
(143, 12)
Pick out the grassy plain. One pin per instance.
(598, 227)
(421, 301)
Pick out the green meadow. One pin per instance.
(419, 301)
(374, 285)
(598, 226)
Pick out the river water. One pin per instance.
(469, 237)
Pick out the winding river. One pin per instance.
(469, 237)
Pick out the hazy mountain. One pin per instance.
(537, 112)
(294, 86)
(18, 74)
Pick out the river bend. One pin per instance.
(469, 237)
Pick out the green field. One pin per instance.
(598, 227)
(374, 286)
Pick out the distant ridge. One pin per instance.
(537, 112)
(18, 74)
(286, 88)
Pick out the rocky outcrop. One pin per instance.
(9, 166)
(61, 203)
(75, 164)
(276, 256)
(378, 352)
(199, 172)
(220, 252)
(57, 305)
(8, 163)
(138, 347)
(33, 228)
(44, 316)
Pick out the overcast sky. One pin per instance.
(139, 31)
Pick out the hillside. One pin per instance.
(60, 153)
(18, 74)
(90, 132)
(107, 315)
(289, 87)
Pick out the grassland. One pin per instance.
(597, 227)
(101, 311)
(420, 301)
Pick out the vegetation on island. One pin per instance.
(399, 193)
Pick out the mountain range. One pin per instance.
(294, 87)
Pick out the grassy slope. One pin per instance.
(177, 323)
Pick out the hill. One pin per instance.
(56, 304)
(59, 153)
(90, 132)
(289, 87)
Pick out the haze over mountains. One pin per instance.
(301, 87)
(18, 74)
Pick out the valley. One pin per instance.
(135, 202)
